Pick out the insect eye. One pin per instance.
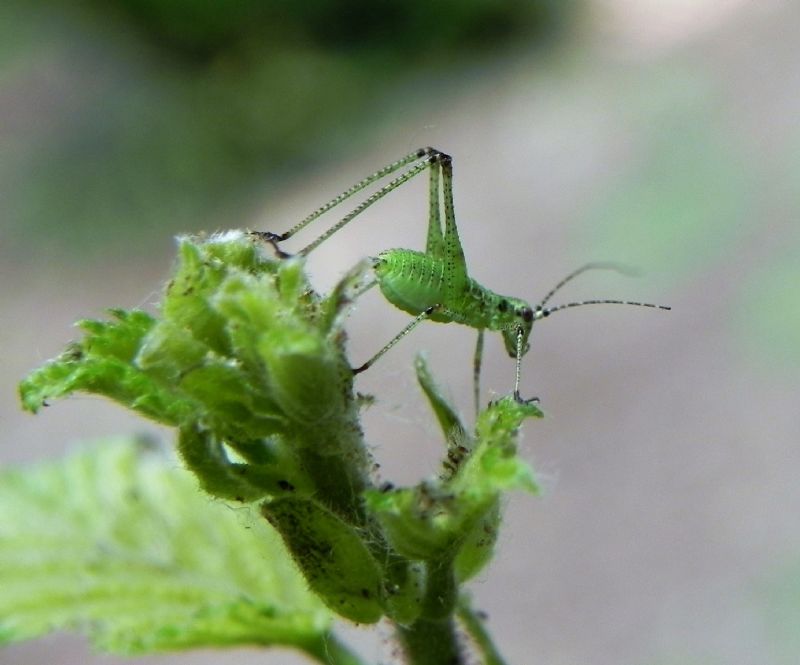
(502, 305)
(527, 314)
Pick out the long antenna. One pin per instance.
(542, 312)
(605, 265)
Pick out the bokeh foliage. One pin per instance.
(169, 114)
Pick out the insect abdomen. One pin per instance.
(411, 281)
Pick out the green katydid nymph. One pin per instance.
(435, 284)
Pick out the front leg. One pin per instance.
(517, 397)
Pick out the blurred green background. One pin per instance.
(151, 116)
(660, 134)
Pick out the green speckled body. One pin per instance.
(414, 281)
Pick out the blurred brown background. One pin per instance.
(660, 134)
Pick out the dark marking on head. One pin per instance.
(502, 306)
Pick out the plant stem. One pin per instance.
(430, 642)
(431, 639)
(441, 593)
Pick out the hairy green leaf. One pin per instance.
(332, 555)
(119, 543)
(446, 517)
(453, 429)
(103, 363)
